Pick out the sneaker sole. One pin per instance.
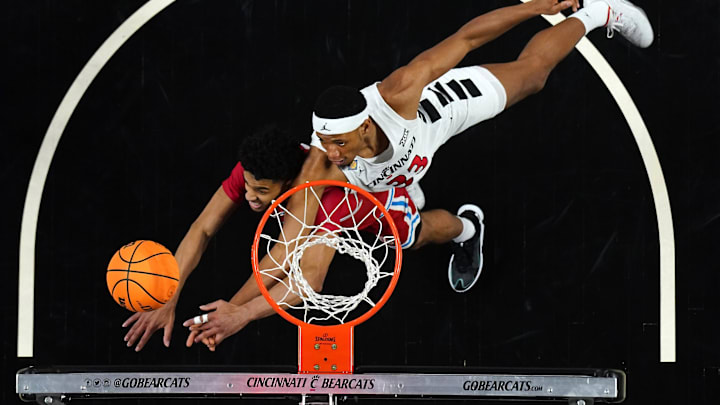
(481, 216)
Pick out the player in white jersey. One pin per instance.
(454, 102)
(386, 134)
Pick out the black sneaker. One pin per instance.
(467, 259)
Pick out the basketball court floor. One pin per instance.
(601, 196)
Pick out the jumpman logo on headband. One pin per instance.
(324, 128)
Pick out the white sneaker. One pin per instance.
(629, 20)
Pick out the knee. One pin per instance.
(538, 83)
(538, 73)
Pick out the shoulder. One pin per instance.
(397, 83)
(238, 170)
(236, 175)
(401, 90)
(234, 185)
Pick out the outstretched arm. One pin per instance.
(402, 88)
(250, 289)
(188, 255)
(316, 167)
(226, 318)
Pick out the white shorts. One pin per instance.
(458, 100)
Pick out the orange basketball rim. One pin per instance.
(326, 348)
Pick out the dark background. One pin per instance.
(572, 254)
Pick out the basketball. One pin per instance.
(142, 276)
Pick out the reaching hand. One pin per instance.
(550, 7)
(225, 320)
(144, 324)
(194, 331)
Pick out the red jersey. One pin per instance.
(396, 201)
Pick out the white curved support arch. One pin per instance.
(657, 185)
(33, 197)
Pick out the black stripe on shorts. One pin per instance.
(441, 98)
(455, 86)
(471, 88)
(430, 110)
(441, 89)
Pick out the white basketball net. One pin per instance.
(345, 240)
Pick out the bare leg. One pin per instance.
(527, 75)
(438, 226)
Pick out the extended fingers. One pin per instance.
(191, 337)
(205, 333)
(564, 5)
(219, 337)
(134, 333)
(195, 337)
(210, 343)
(130, 320)
(143, 331)
(197, 320)
(145, 337)
(196, 330)
(211, 306)
(167, 334)
(202, 328)
(133, 330)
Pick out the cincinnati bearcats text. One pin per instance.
(277, 382)
(315, 382)
(388, 171)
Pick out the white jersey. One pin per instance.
(457, 100)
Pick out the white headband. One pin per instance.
(335, 126)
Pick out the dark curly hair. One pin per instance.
(271, 154)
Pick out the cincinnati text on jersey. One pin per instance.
(395, 166)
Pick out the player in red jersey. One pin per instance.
(268, 164)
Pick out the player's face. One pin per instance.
(343, 148)
(260, 193)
